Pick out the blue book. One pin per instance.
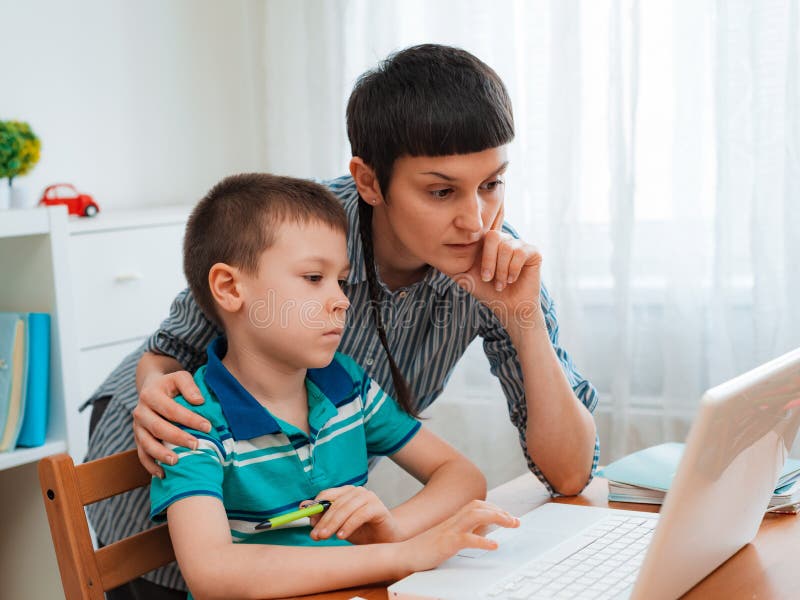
(34, 423)
(652, 468)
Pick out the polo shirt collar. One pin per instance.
(329, 388)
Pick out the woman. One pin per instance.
(432, 267)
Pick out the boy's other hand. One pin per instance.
(463, 530)
(356, 514)
(152, 416)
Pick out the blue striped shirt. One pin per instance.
(429, 326)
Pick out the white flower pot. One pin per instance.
(4, 194)
(21, 197)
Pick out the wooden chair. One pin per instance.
(87, 573)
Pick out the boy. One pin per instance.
(291, 420)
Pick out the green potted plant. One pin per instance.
(9, 151)
(19, 153)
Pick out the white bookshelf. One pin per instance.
(79, 271)
(34, 275)
(19, 223)
(24, 456)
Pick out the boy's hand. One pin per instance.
(463, 530)
(152, 416)
(356, 514)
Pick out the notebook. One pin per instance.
(13, 371)
(646, 475)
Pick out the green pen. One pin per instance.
(314, 509)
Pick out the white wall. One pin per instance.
(138, 103)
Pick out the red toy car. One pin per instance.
(65, 193)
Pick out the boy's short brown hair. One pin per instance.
(238, 219)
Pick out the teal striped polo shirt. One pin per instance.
(260, 466)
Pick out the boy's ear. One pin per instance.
(224, 282)
(366, 181)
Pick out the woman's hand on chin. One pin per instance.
(506, 277)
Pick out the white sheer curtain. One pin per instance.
(656, 164)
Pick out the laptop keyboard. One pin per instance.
(601, 562)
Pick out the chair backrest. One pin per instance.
(66, 488)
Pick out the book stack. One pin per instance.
(645, 477)
(24, 379)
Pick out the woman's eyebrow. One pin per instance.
(500, 169)
(437, 174)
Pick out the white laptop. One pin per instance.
(734, 454)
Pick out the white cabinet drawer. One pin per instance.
(124, 281)
(94, 366)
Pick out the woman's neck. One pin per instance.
(396, 266)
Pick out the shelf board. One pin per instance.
(32, 221)
(23, 456)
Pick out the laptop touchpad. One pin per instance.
(512, 540)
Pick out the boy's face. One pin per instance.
(294, 306)
(439, 208)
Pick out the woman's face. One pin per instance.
(438, 208)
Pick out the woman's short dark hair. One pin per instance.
(427, 100)
(238, 219)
